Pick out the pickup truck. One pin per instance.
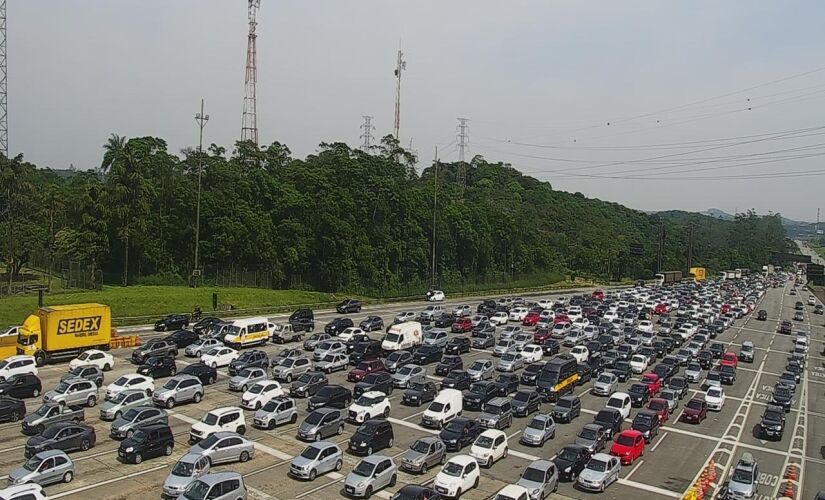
(50, 413)
(286, 333)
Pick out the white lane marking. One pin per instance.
(272, 451)
(257, 494)
(638, 464)
(658, 442)
(108, 481)
(649, 488)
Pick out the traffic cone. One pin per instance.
(788, 490)
(792, 472)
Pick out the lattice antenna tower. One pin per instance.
(4, 124)
(367, 127)
(249, 124)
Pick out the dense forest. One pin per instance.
(342, 220)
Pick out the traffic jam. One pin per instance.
(624, 391)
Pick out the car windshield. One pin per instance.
(508, 356)
(196, 490)
(568, 454)
(643, 419)
(774, 415)
(44, 410)
(271, 405)
(617, 402)
(287, 363)
(533, 475)
(363, 469)
(714, 393)
(84, 356)
(32, 464)
(638, 388)
(605, 378)
(406, 370)
(324, 346)
(121, 381)
(452, 469)
(131, 414)
(369, 400)
(392, 337)
(588, 433)
(624, 440)
(484, 442)
(314, 418)
(522, 396)
(694, 404)
(395, 356)
(210, 419)
(183, 469)
(537, 423)
(657, 404)
(420, 446)
(304, 379)
(170, 384)
(742, 476)
(478, 365)
(478, 388)
(437, 407)
(782, 391)
(596, 465)
(61, 388)
(311, 452)
(213, 352)
(139, 436)
(123, 395)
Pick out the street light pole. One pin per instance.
(201, 118)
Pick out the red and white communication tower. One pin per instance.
(249, 124)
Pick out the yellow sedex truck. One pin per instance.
(59, 332)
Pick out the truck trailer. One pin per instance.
(60, 332)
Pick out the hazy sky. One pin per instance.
(548, 75)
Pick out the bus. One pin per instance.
(248, 332)
(558, 376)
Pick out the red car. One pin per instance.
(696, 410)
(628, 446)
(725, 308)
(562, 318)
(597, 294)
(729, 359)
(541, 335)
(653, 382)
(531, 319)
(661, 308)
(462, 325)
(661, 408)
(364, 368)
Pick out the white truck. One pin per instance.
(403, 337)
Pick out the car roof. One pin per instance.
(225, 409)
(631, 432)
(186, 377)
(52, 453)
(602, 457)
(375, 458)
(492, 433)
(463, 460)
(217, 477)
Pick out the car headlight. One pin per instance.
(568, 469)
(360, 484)
(130, 449)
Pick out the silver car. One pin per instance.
(693, 372)
(424, 453)
(123, 402)
(601, 470)
(509, 332)
(73, 392)
(396, 360)
(539, 430)
(125, 425)
(409, 374)
(224, 447)
(217, 486)
(198, 348)
(436, 338)
(606, 384)
(510, 362)
(370, 475)
(89, 372)
(321, 424)
(592, 437)
(186, 470)
(672, 398)
(178, 389)
(46, 467)
(521, 340)
(481, 369)
(328, 347)
(502, 346)
(246, 378)
(540, 478)
(276, 411)
(332, 363)
(317, 458)
(290, 368)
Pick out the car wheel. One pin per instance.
(341, 429)
(244, 388)
(601, 488)
(505, 453)
(368, 492)
(489, 462)
(172, 372)
(197, 398)
(244, 456)
(35, 393)
(129, 433)
(118, 414)
(211, 379)
(14, 417)
(214, 364)
(369, 450)
(289, 378)
(386, 412)
(138, 458)
(458, 493)
(241, 430)
(148, 393)
(68, 476)
(170, 403)
(313, 474)
(107, 367)
(317, 437)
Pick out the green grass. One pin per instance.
(143, 302)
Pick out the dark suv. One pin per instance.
(337, 326)
(427, 354)
(182, 338)
(149, 441)
(206, 374)
(479, 393)
(249, 359)
(332, 396)
(158, 367)
(457, 345)
(372, 436)
(349, 306)
(21, 385)
(448, 364)
(365, 351)
(460, 432)
(154, 348)
(302, 320)
(378, 381)
(172, 322)
(773, 422)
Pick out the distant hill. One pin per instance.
(717, 214)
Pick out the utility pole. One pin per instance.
(463, 138)
(368, 127)
(201, 118)
(690, 248)
(435, 204)
(249, 122)
(660, 248)
(400, 66)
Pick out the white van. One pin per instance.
(403, 337)
(446, 406)
(249, 332)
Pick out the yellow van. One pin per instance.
(248, 332)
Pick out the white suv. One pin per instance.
(229, 418)
(17, 365)
(460, 474)
(369, 405)
(260, 393)
(130, 381)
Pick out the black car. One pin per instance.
(622, 370)
(446, 320)
(483, 340)
(447, 364)
(457, 345)
(158, 367)
(570, 461)
(255, 358)
(717, 349)
(157, 347)
(418, 393)
(456, 379)
(332, 396)
(593, 347)
(206, 374)
(506, 383)
(606, 342)
(182, 338)
(417, 492)
(676, 340)
(705, 358)
(550, 347)
(372, 323)
(355, 340)
(727, 374)
(349, 306)
(660, 347)
(782, 396)
(585, 371)
(337, 326)
(531, 373)
(302, 320)
(148, 441)
(679, 385)
(203, 325)
(365, 351)
(11, 409)
(646, 422)
(649, 352)
(371, 436)
(460, 432)
(772, 424)
(376, 381)
(525, 403)
(478, 394)
(172, 322)
(308, 384)
(611, 421)
(427, 354)
(639, 395)
(65, 436)
(566, 409)
(21, 385)
(664, 371)
(486, 306)
(484, 327)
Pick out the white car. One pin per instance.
(638, 363)
(17, 365)
(574, 312)
(499, 318)
(545, 303)
(27, 491)
(518, 314)
(620, 401)
(489, 447)
(11, 331)
(130, 381)
(581, 323)
(645, 326)
(581, 354)
(260, 393)
(350, 332)
(715, 398)
(436, 296)
(229, 418)
(219, 356)
(369, 405)
(459, 475)
(100, 359)
(611, 315)
(532, 353)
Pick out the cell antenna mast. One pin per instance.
(463, 139)
(367, 127)
(400, 66)
(4, 123)
(249, 125)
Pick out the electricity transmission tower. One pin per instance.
(368, 127)
(463, 138)
(249, 124)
